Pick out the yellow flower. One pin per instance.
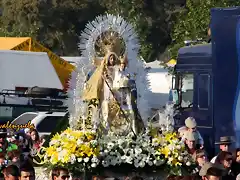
(176, 163)
(165, 151)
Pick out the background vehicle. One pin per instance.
(207, 80)
(44, 122)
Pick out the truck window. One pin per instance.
(203, 91)
(186, 86)
(49, 123)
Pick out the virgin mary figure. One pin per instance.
(113, 99)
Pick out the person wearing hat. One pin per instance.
(224, 145)
(191, 139)
(210, 171)
(6, 146)
(191, 126)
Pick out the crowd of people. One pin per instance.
(225, 165)
(17, 150)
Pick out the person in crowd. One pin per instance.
(2, 164)
(11, 173)
(200, 158)
(14, 157)
(27, 132)
(210, 171)
(191, 126)
(6, 146)
(60, 173)
(35, 142)
(191, 138)
(225, 158)
(224, 144)
(236, 162)
(2, 159)
(25, 144)
(27, 171)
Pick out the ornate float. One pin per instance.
(109, 133)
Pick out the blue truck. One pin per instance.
(207, 81)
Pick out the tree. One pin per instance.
(193, 21)
(150, 19)
(56, 24)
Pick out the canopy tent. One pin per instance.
(171, 63)
(62, 67)
(27, 69)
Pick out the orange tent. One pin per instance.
(62, 67)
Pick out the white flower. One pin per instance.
(150, 163)
(180, 158)
(73, 159)
(179, 147)
(138, 150)
(188, 163)
(110, 145)
(79, 159)
(53, 142)
(142, 164)
(59, 149)
(71, 137)
(95, 159)
(86, 159)
(155, 142)
(94, 142)
(79, 142)
(105, 163)
(93, 165)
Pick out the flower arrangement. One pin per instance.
(74, 149)
(82, 151)
(137, 151)
(169, 147)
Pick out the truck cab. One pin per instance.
(207, 81)
(193, 83)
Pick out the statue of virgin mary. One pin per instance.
(109, 84)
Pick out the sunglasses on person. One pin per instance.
(65, 177)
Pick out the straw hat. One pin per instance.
(225, 140)
(212, 169)
(190, 122)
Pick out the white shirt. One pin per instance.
(213, 160)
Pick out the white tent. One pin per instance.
(160, 84)
(27, 69)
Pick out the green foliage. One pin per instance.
(150, 19)
(193, 21)
(58, 23)
(55, 24)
